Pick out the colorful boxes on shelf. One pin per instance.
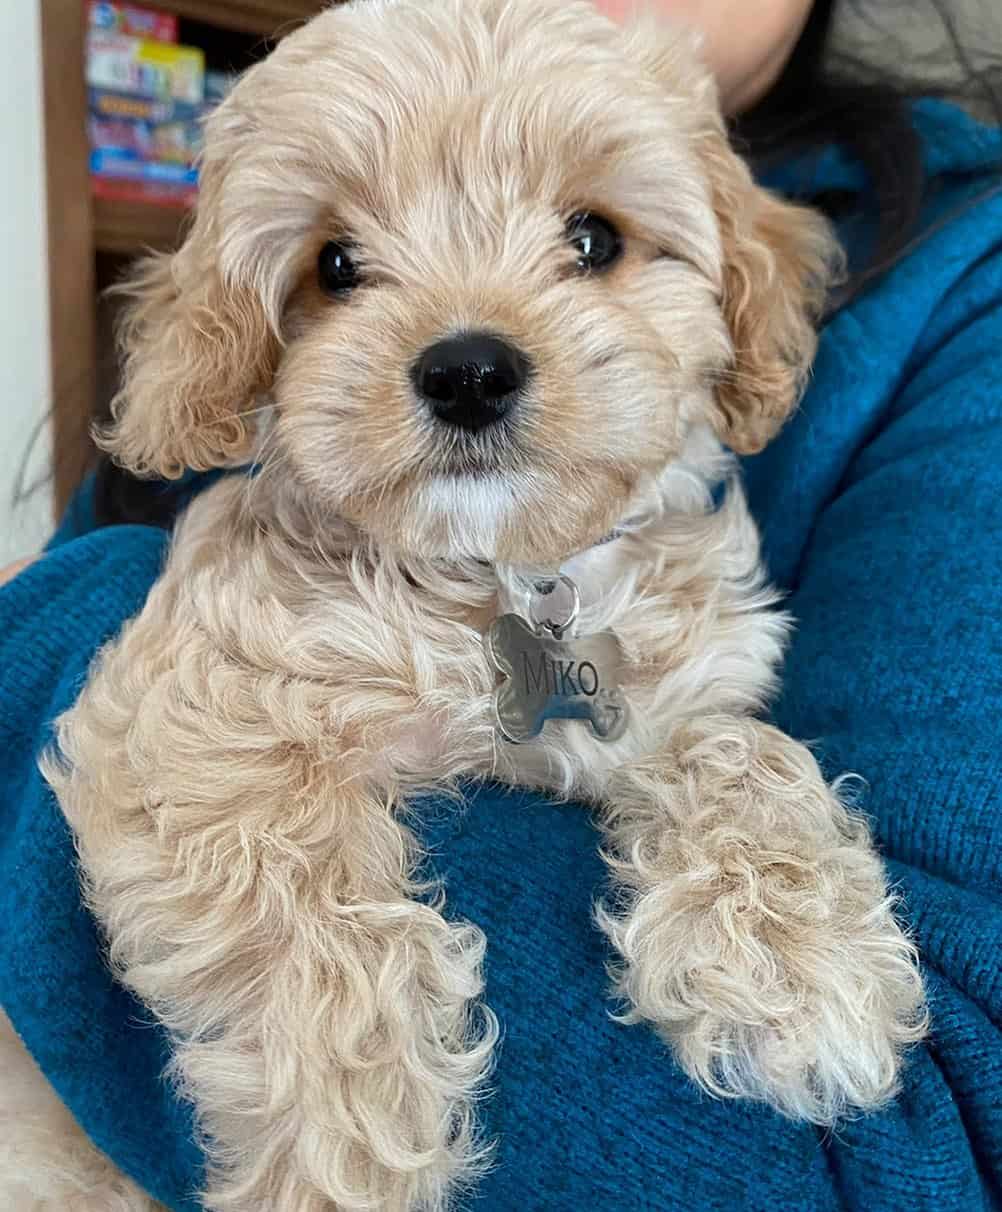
(141, 67)
(146, 99)
(114, 18)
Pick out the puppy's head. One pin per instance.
(490, 260)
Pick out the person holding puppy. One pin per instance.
(880, 507)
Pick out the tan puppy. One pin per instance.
(476, 282)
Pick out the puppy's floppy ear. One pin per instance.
(778, 261)
(197, 347)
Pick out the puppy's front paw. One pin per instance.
(756, 932)
(776, 979)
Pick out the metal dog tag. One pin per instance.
(549, 677)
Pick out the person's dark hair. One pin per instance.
(830, 96)
(821, 98)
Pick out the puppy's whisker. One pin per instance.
(212, 422)
(273, 458)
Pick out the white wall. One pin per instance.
(24, 341)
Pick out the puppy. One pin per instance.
(481, 290)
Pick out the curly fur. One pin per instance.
(237, 768)
(756, 929)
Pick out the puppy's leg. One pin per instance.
(755, 929)
(321, 1017)
(47, 1164)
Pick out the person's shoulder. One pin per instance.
(958, 242)
(922, 337)
(954, 141)
(952, 276)
(949, 277)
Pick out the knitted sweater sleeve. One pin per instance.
(94, 1043)
(896, 675)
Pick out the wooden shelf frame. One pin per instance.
(265, 17)
(79, 226)
(72, 320)
(128, 228)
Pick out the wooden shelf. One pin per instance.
(80, 225)
(133, 227)
(247, 16)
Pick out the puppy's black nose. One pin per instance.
(471, 380)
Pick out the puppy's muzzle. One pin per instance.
(471, 381)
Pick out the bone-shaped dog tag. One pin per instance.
(548, 677)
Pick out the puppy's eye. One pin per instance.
(336, 269)
(598, 243)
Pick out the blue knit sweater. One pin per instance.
(881, 509)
